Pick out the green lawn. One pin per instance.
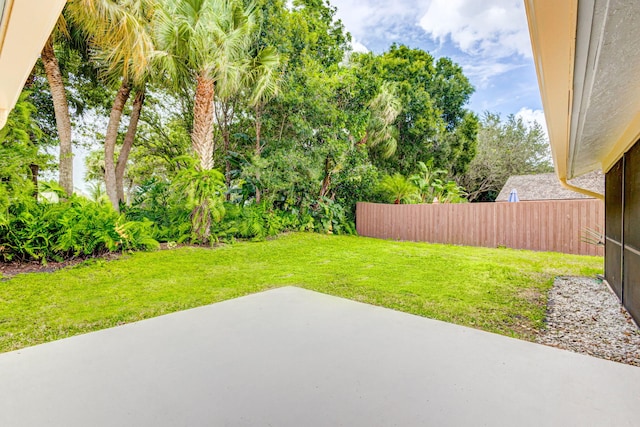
(498, 290)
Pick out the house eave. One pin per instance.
(586, 60)
(24, 28)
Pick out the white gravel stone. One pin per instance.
(585, 316)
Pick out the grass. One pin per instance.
(498, 290)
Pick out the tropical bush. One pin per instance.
(156, 201)
(330, 217)
(171, 216)
(398, 189)
(424, 187)
(204, 192)
(76, 227)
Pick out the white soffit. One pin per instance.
(24, 29)
(605, 116)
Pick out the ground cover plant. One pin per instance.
(76, 227)
(498, 290)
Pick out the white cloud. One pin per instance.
(530, 116)
(481, 72)
(356, 46)
(377, 18)
(489, 28)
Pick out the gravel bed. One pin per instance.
(585, 316)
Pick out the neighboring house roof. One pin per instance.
(546, 186)
(25, 26)
(588, 62)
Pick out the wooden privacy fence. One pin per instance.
(549, 225)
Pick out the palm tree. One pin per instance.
(398, 189)
(381, 134)
(265, 80)
(60, 107)
(121, 35)
(204, 42)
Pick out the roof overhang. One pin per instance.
(587, 60)
(25, 26)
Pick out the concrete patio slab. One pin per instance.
(292, 357)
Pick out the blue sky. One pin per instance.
(488, 38)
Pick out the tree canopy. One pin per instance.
(204, 111)
(505, 148)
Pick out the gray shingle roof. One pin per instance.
(546, 186)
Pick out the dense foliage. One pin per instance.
(224, 119)
(76, 227)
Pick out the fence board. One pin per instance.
(548, 225)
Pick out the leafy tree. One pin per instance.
(257, 77)
(448, 192)
(18, 153)
(433, 123)
(505, 148)
(356, 181)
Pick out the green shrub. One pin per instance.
(330, 217)
(76, 227)
(171, 212)
(166, 209)
(398, 189)
(204, 193)
(257, 222)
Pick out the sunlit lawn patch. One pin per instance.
(498, 290)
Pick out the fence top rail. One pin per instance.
(522, 202)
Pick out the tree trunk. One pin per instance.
(34, 178)
(202, 134)
(258, 147)
(61, 109)
(326, 182)
(364, 139)
(227, 163)
(284, 119)
(110, 140)
(202, 144)
(258, 131)
(129, 138)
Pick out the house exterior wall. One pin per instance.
(622, 230)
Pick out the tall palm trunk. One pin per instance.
(110, 143)
(258, 111)
(61, 109)
(227, 174)
(202, 134)
(202, 143)
(128, 142)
